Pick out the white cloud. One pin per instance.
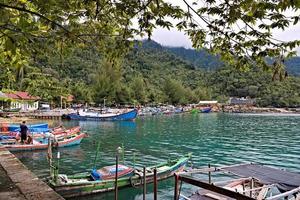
(171, 37)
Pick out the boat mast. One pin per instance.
(96, 156)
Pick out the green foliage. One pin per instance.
(45, 86)
(138, 88)
(107, 81)
(256, 84)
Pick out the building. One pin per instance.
(18, 100)
(241, 101)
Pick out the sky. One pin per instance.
(175, 38)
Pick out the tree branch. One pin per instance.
(34, 13)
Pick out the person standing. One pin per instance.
(23, 132)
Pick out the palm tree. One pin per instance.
(279, 72)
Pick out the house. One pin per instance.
(21, 100)
(241, 101)
(207, 102)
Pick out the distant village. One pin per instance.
(21, 101)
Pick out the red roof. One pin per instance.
(12, 96)
(70, 98)
(21, 95)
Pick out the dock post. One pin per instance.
(144, 183)
(209, 174)
(155, 184)
(119, 149)
(176, 192)
(251, 186)
(116, 177)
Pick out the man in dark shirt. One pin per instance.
(23, 132)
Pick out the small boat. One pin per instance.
(12, 110)
(55, 131)
(32, 127)
(194, 111)
(130, 115)
(248, 181)
(35, 144)
(63, 131)
(87, 183)
(205, 110)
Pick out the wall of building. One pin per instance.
(25, 105)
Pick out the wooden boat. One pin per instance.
(130, 115)
(84, 183)
(63, 141)
(243, 181)
(55, 131)
(12, 110)
(205, 110)
(43, 127)
(63, 131)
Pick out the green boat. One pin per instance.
(86, 183)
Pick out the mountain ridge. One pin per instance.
(202, 59)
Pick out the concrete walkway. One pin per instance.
(18, 183)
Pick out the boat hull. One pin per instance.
(91, 187)
(205, 110)
(32, 128)
(41, 146)
(131, 115)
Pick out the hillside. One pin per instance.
(148, 74)
(201, 59)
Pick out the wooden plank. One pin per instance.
(214, 188)
(285, 194)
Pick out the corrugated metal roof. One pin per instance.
(2, 95)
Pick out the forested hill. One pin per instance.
(148, 74)
(202, 59)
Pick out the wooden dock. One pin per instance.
(23, 184)
(50, 115)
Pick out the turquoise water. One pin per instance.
(212, 138)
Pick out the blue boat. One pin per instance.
(130, 115)
(32, 127)
(205, 110)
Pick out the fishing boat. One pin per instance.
(205, 110)
(43, 127)
(84, 115)
(36, 144)
(63, 131)
(55, 131)
(243, 181)
(103, 180)
(12, 110)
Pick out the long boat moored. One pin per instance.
(86, 183)
(81, 115)
(244, 181)
(59, 141)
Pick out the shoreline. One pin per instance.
(258, 110)
(233, 109)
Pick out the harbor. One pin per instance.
(209, 137)
(150, 100)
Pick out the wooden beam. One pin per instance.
(279, 196)
(214, 188)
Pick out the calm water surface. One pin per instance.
(212, 138)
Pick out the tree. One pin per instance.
(238, 30)
(137, 86)
(108, 81)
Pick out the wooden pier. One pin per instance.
(51, 115)
(24, 185)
